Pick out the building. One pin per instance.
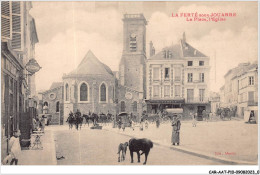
(235, 93)
(247, 89)
(178, 77)
(89, 88)
(214, 102)
(18, 40)
(131, 90)
(52, 100)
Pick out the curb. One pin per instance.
(53, 152)
(198, 154)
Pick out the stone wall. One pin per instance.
(52, 97)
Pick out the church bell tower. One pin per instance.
(132, 64)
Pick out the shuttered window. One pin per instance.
(16, 26)
(6, 19)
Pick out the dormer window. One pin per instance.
(167, 54)
(201, 63)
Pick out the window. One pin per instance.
(201, 63)
(201, 94)
(122, 106)
(156, 91)
(67, 92)
(83, 96)
(201, 77)
(177, 73)
(45, 103)
(167, 54)
(167, 91)
(135, 106)
(251, 96)
(167, 73)
(16, 26)
(156, 73)
(251, 80)
(6, 19)
(190, 77)
(190, 63)
(58, 106)
(177, 90)
(190, 95)
(103, 93)
(132, 43)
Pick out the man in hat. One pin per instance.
(176, 126)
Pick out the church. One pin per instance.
(176, 77)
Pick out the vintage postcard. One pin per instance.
(129, 83)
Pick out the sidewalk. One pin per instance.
(232, 142)
(46, 156)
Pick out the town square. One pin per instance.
(129, 83)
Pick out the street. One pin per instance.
(99, 147)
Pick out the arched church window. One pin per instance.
(103, 93)
(45, 103)
(122, 106)
(66, 92)
(83, 92)
(135, 106)
(57, 106)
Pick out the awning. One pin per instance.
(177, 101)
(174, 110)
(122, 114)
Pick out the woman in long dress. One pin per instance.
(176, 126)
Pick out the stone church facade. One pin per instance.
(89, 88)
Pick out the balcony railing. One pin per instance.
(197, 100)
(252, 103)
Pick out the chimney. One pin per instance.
(152, 49)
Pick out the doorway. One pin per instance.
(199, 111)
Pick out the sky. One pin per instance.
(67, 30)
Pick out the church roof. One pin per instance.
(90, 65)
(56, 84)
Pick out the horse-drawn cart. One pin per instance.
(174, 112)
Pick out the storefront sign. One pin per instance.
(32, 66)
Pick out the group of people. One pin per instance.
(39, 123)
(75, 119)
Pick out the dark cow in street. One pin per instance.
(136, 145)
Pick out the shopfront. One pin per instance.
(154, 106)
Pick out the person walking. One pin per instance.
(146, 124)
(157, 122)
(204, 115)
(42, 123)
(176, 126)
(15, 148)
(194, 119)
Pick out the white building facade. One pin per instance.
(178, 77)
